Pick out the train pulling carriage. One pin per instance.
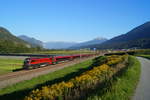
(36, 62)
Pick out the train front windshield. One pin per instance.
(26, 61)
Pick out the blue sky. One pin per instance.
(72, 20)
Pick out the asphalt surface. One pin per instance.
(143, 88)
(12, 57)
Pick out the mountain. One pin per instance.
(72, 45)
(6, 35)
(10, 43)
(138, 37)
(34, 42)
(48, 45)
(58, 45)
(95, 41)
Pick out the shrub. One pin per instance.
(79, 85)
(99, 60)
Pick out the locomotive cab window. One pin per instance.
(33, 61)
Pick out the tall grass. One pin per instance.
(123, 87)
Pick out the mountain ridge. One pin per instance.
(138, 37)
(95, 41)
(10, 43)
(8, 36)
(34, 42)
(58, 44)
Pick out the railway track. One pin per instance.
(15, 77)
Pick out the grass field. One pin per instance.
(65, 52)
(145, 56)
(123, 88)
(23, 88)
(8, 65)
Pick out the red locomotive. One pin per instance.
(39, 62)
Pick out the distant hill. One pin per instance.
(95, 41)
(6, 35)
(138, 37)
(72, 45)
(10, 43)
(34, 42)
(58, 45)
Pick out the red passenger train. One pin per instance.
(36, 62)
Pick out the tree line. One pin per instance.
(13, 47)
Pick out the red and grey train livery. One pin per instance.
(35, 62)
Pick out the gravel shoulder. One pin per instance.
(143, 88)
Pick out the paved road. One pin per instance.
(12, 57)
(143, 88)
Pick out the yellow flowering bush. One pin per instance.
(86, 80)
(115, 59)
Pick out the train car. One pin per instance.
(37, 62)
(62, 58)
(30, 63)
(76, 56)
